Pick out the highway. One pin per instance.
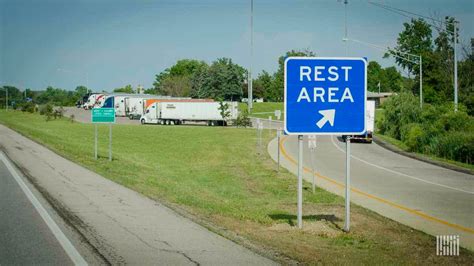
(25, 238)
(424, 196)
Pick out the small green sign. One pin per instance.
(103, 115)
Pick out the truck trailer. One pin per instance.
(370, 118)
(177, 112)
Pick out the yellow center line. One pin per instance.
(401, 207)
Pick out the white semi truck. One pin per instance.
(370, 118)
(176, 112)
(94, 100)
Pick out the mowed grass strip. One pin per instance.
(264, 110)
(218, 175)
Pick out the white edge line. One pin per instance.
(71, 251)
(398, 173)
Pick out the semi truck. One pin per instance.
(135, 106)
(177, 112)
(370, 118)
(94, 100)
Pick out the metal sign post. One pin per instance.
(103, 115)
(347, 223)
(270, 125)
(278, 147)
(110, 142)
(95, 142)
(312, 148)
(300, 181)
(324, 96)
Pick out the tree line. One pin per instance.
(54, 96)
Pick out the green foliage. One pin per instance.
(243, 119)
(59, 97)
(224, 110)
(222, 80)
(434, 130)
(46, 109)
(29, 107)
(389, 78)
(276, 90)
(126, 89)
(261, 86)
(177, 80)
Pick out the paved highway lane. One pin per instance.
(427, 197)
(25, 238)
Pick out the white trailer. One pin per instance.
(179, 112)
(135, 105)
(370, 118)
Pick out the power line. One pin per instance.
(404, 13)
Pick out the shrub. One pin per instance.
(46, 109)
(243, 119)
(399, 110)
(413, 137)
(29, 107)
(457, 146)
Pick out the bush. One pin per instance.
(46, 109)
(243, 119)
(29, 107)
(436, 130)
(400, 110)
(58, 113)
(458, 146)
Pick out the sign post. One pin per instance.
(103, 115)
(300, 181)
(312, 148)
(278, 147)
(325, 96)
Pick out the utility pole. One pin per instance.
(345, 24)
(250, 81)
(421, 82)
(6, 98)
(455, 68)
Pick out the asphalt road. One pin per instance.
(427, 197)
(25, 239)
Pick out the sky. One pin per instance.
(106, 44)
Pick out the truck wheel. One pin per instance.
(142, 121)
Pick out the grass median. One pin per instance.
(219, 176)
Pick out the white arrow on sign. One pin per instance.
(328, 116)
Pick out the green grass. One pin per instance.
(219, 176)
(264, 110)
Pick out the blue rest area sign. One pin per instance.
(325, 96)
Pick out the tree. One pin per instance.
(222, 80)
(177, 86)
(414, 39)
(262, 85)
(126, 89)
(276, 89)
(179, 74)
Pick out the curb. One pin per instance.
(415, 156)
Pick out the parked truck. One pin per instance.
(94, 100)
(370, 118)
(177, 112)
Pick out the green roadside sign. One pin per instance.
(103, 115)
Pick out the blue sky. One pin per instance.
(114, 43)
